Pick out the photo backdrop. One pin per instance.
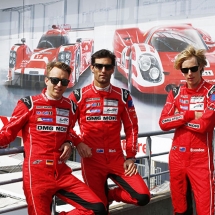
(98, 21)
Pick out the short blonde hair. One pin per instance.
(189, 52)
(59, 65)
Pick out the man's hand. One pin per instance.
(84, 150)
(130, 167)
(198, 114)
(67, 151)
(176, 111)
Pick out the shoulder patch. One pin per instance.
(27, 101)
(211, 91)
(77, 94)
(175, 91)
(125, 94)
(73, 106)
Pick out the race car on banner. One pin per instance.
(28, 68)
(147, 58)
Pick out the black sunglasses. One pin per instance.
(100, 66)
(55, 81)
(192, 69)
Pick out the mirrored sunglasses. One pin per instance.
(192, 69)
(100, 66)
(55, 81)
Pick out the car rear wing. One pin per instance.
(67, 27)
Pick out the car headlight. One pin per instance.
(154, 73)
(65, 56)
(12, 59)
(144, 62)
(61, 56)
(150, 68)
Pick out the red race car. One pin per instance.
(28, 68)
(146, 58)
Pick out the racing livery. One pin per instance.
(146, 58)
(191, 155)
(28, 68)
(100, 117)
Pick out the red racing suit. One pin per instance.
(45, 127)
(100, 116)
(191, 156)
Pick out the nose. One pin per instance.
(59, 84)
(103, 69)
(189, 72)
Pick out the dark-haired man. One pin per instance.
(102, 110)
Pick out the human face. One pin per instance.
(192, 78)
(56, 90)
(102, 75)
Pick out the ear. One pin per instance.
(92, 68)
(46, 81)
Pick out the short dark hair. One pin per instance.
(103, 53)
(59, 65)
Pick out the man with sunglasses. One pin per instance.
(102, 109)
(190, 110)
(45, 121)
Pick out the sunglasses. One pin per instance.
(55, 81)
(192, 69)
(106, 66)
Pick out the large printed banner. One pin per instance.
(145, 46)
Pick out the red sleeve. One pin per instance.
(130, 122)
(73, 137)
(207, 121)
(169, 118)
(18, 119)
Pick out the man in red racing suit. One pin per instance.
(45, 121)
(102, 109)
(190, 110)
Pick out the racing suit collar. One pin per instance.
(197, 88)
(100, 91)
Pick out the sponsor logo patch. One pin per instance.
(49, 162)
(184, 101)
(174, 147)
(197, 150)
(51, 128)
(184, 107)
(93, 111)
(175, 118)
(198, 106)
(62, 120)
(96, 104)
(37, 161)
(182, 149)
(111, 102)
(130, 103)
(101, 118)
(110, 110)
(44, 112)
(212, 97)
(62, 112)
(43, 107)
(92, 99)
(112, 150)
(192, 125)
(196, 99)
(42, 119)
(100, 150)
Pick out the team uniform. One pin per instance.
(191, 155)
(45, 127)
(100, 116)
